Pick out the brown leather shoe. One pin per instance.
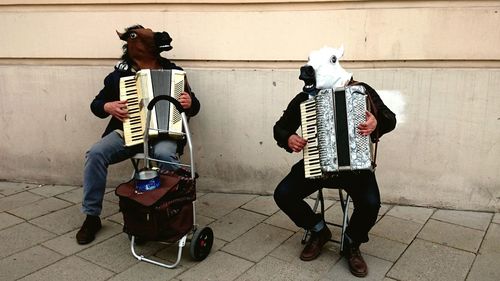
(357, 264)
(87, 232)
(315, 244)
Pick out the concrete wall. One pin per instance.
(435, 62)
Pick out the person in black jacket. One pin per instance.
(142, 51)
(361, 186)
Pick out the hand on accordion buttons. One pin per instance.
(185, 100)
(117, 109)
(296, 143)
(367, 127)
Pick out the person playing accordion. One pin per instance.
(141, 51)
(323, 71)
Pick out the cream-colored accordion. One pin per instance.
(329, 122)
(138, 90)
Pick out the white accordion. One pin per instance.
(138, 90)
(329, 124)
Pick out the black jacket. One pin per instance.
(290, 121)
(111, 92)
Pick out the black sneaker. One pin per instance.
(87, 232)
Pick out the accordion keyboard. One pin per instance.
(309, 132)
(133, 127)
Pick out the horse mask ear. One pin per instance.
(341, 52)
(122, 36)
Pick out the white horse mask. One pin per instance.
(328, 72)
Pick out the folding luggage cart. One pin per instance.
(202, 238)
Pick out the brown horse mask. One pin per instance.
(144, 46)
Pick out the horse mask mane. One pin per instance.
(323, 70)
(144, 46)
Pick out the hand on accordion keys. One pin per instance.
(185, 100)
(296, 143)
(367, 127)
(117, 109)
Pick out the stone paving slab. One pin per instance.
(491, 240)
(234, 224)
(384, 208)
(396, 229)
(72, 268)
(218, 266)
(70, 218)
(7, 220)
(116, 218)
(114, 253)
(52, 190)
(263, 205)
(73, 196)
(280, 219)
(111, 197)
(61, 221)
(425, 260)
(254, 241)
(201, 220)
(26, 262)
(18, 200)
(258, 242)
(40, 208)
(271, 268)
(485, 268)
(452, 235)
(147, 271)
(9, 188)
(383, 248)
(21, 237)
(334, 213)
(496, 218)
(217, 205)
(66, 244)
(476, 220)
(416, 214)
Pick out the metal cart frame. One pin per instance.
(202, 239)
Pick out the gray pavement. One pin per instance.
(253, 241)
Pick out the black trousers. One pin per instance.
(361, 186)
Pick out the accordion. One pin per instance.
(329, 123)
(138, 90)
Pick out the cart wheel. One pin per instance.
(201, 244)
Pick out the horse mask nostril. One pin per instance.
(162, 41)
(307, 73)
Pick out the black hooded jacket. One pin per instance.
(111, 92)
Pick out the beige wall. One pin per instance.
(435, 62)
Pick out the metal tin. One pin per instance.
(147, 180)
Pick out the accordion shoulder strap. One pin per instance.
(374, 162)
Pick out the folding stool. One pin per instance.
(344, 204)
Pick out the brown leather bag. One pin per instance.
(162, 214)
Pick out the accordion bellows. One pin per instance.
(329, 123)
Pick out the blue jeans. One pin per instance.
(109, 150)
(361, 186)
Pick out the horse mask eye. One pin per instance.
(133, 35)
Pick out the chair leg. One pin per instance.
(344, 204)
(135, 163)
(345, 218)
(319, 200)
